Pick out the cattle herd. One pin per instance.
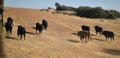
(21, 31)
(84, 34)
(40, 27)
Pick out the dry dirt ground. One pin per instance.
(59, 40)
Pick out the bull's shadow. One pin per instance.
(98, 39)
(111, 51)
(90, 36)
(9, 37)
(71, 40)
(27, 32)
(78, 35)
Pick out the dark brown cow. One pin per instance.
(98, 30)
(84, 35)
(108, 34)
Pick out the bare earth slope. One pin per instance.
(59, 40)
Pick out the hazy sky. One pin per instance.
(37, 4)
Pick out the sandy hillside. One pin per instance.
(59, 40)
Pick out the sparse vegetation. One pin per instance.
(64, 12)
(44, 9)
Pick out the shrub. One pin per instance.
(89, 12)
(97, 12)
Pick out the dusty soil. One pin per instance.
(59, 40)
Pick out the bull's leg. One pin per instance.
(45, 27)
(11, 31)
(40, 31)
(96, 33)
(106, 37)
(109, 38)
(18, 36)
(81, 38)
(87, 39)
(7, 32)
(24, 36)
(113, 38)
(21, 37)
(36, 31)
